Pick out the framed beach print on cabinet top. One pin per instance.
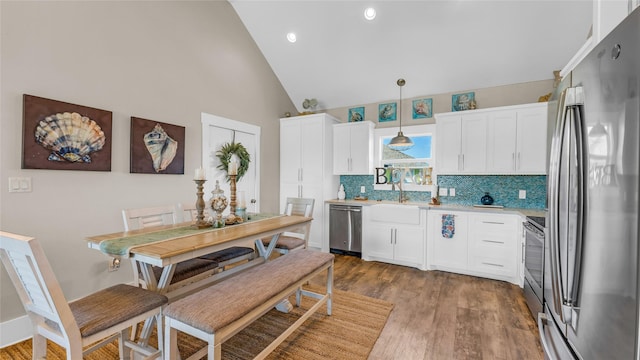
(387, 112)
(461, 102)
(422, 108)
(356, 114)
(58, 135)
(156, 147)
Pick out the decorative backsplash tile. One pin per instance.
(469, 189)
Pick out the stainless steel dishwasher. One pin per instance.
(345, 235)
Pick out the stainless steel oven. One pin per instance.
(534, 263)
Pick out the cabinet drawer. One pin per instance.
(502, 266)
(494, 223)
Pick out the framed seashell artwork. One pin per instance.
(58, 135)
(156, 147)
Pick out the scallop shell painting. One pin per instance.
(161, 147)
(70, 136)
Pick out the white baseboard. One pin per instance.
(15, 330)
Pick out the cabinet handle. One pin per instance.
(301, 174)
(462, 161)
(492, 264)
(395, 236)
(518, 162)
(391, 237)
(493, 222)
(494, 241)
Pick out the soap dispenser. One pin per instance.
(341, 194)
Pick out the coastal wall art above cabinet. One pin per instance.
(306, 166)
(353, 148)
(506, 140)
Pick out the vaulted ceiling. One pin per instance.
(438, 46)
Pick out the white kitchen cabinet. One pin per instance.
(306, 162)
(503, 140)
(394, 239)
(516, 140)
(483, 244)
(493, 245)
(461, 143)
(353, 148)
(448, 253)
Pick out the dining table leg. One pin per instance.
(160, 286)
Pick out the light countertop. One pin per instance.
(452, 207)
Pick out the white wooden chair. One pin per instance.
(81, 326)
(290, 241)
(187, 271)
(223, 257)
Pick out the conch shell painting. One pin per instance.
(71, 137)
(161, 147)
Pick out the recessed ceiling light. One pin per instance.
(369, 13)
(291, 37)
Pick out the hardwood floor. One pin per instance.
(440, 315)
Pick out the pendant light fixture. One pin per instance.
(400, 142)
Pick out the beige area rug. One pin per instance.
(349, 333)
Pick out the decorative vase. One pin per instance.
(341, 193)
(218, 204)
(486, 199)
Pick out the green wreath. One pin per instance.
(237, 149)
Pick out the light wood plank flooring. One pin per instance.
(440, 315)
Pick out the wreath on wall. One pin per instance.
(224, 155)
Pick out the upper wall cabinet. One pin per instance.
(353, 148)
(461, 142)
(506, 140)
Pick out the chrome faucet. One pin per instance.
(401, 197)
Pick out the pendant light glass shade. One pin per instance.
(400, 142)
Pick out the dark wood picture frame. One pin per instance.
(141, 161)
(36, 156)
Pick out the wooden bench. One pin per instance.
(222, 310)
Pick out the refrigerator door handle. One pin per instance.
(542, 321)
(554, 179)
(572, 296)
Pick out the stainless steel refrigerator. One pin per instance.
(591, 247)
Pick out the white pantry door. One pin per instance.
(217, 131)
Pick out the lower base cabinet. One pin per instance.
(394, 242)
(479, 244)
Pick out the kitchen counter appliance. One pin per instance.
(533, 230)
(591, 247)
(345, 229)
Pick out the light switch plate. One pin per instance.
(19, 184)
(363, 190)
(443, 191)
(452, 192)
(522, 194)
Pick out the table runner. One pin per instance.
(121, 247)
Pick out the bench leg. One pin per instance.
(329, 288)
(214, 352)
(170, 341)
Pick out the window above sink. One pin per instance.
(417, 163)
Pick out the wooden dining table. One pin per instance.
(167, 245)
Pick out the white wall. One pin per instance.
(162, 60)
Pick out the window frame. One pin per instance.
(410, 131)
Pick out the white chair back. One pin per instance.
(188, 211)
(37, 286)
(145, 217)
(299, 206)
